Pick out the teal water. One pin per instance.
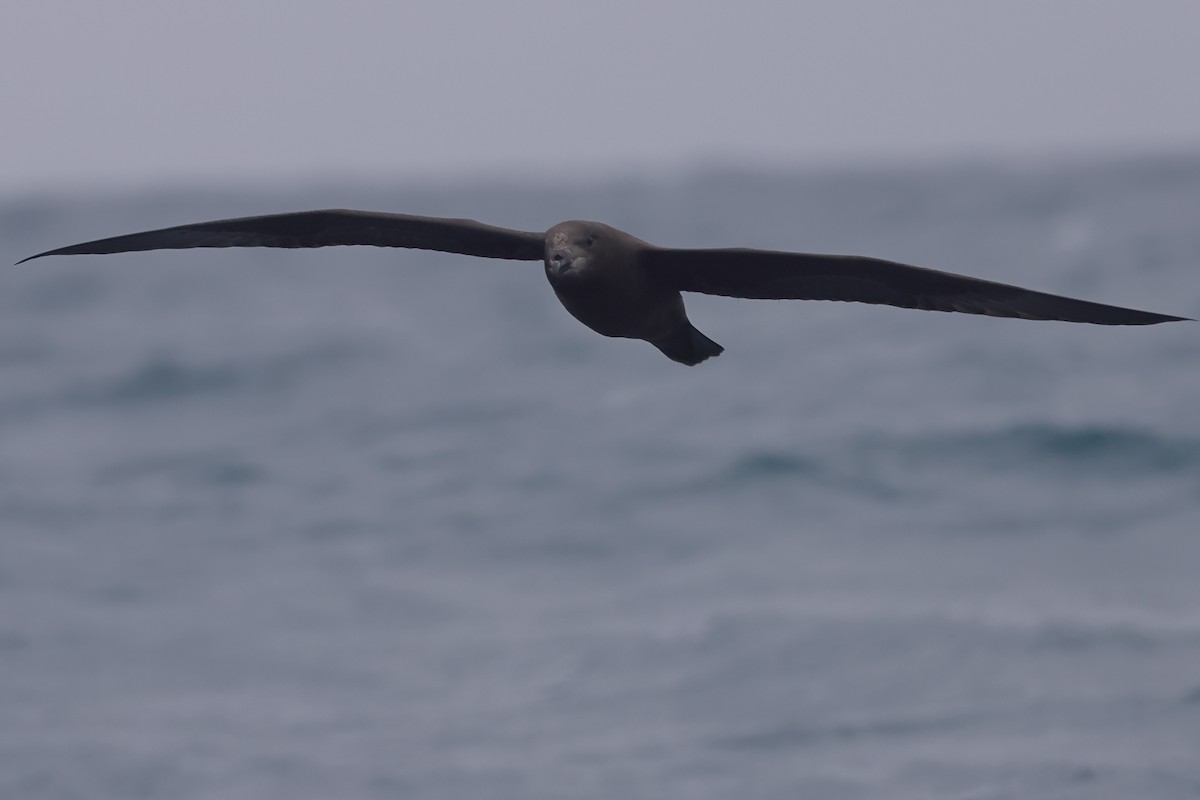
(370, 523)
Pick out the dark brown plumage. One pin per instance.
(618, 285)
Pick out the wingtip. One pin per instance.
(1168, 318)
(55, 252)
(1128, 316)
(85, 248)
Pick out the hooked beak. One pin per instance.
(560, 265)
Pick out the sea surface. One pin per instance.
(366, 523)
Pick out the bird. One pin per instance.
(621, 286)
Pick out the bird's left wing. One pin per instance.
(767, 274)
(325, 229)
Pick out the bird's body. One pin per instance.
(621, 286)
(600, 276)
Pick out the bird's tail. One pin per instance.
(688, 346)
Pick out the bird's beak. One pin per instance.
(561, 265)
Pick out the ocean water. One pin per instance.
(365, 523)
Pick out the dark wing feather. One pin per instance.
(326, 229)
(805, 276)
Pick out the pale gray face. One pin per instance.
(571, 247)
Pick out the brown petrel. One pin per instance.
(618, 285)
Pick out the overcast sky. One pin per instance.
(136, 92)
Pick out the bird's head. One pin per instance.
(572, 248)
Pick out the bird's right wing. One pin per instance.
(325, 229)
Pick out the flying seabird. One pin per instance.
(619, 285)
